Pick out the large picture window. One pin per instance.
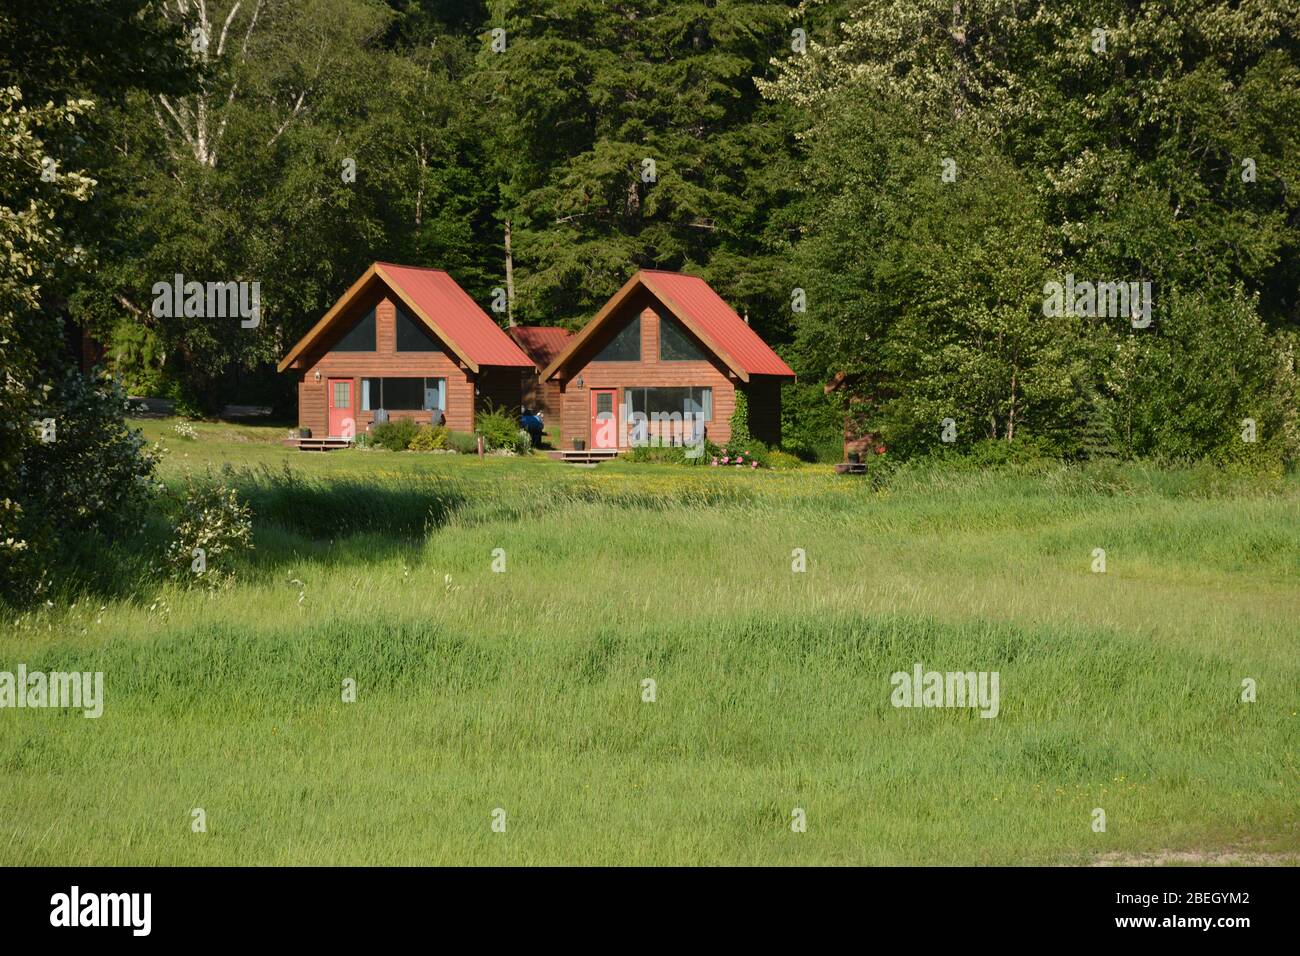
(624, 347)
(361, 337)
(696, 399)
(413, 335)
(404, 394)
(675, 345)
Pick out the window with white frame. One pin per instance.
(404, 394)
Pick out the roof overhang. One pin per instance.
(373, 275)
(641, 281)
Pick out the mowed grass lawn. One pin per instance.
(523, 690)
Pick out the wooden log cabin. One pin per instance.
(665, 343)
(541, 343)
(403, 342)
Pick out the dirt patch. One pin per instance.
(1229, 856)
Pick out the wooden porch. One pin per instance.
(318, 444)
(587, 458)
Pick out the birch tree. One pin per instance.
(272, 57)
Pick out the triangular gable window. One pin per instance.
(624, 347)
(413, 335)
(361, 337)
(675, 345)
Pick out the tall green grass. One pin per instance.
(523, 690)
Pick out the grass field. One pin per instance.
(523, 690)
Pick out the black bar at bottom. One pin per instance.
(940, 907)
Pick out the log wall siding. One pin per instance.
(313, 411)
(501, 388)
(576, 400)
(544, 398)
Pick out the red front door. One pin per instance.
(342, 420)
(604, 418)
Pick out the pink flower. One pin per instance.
(726, 461)
(715, 461)
(753, 464)
(739, 459)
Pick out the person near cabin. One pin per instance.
(531, 422)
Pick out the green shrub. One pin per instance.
(463, 442)
(395, 435)
(671, 454)
(429, 439)
(779, 460)
(741, 454)
(213, 524)
(501, 432)
(136, 357)
(92, 479)
(994, 452)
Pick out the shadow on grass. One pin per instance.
(405, 507)
(274, 549)
(337, 520)
(341, 520)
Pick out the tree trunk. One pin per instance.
(510, 280)
(1011, 418)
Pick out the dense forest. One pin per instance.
(885, 188)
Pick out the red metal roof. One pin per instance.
(541, 342)
(696, 299)
(459, 316)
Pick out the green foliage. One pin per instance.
(927, 293)
(812, 422)
(740, 419)
(779, 460)
(741, 454)
(1213, 364)
(97, 474)
(136, 355)
(671, 454)
(429, 439)
(583, 96)
(396, 434)
(34, 215)
(996, 453)
(57, 51)
(1098, 438)
(93, 481)
(243, 178)
(465, 443)
(501, 432)
(22, 576)
(214, 529)
(945, 321)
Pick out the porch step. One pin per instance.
(321, 444)
(587, 458)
